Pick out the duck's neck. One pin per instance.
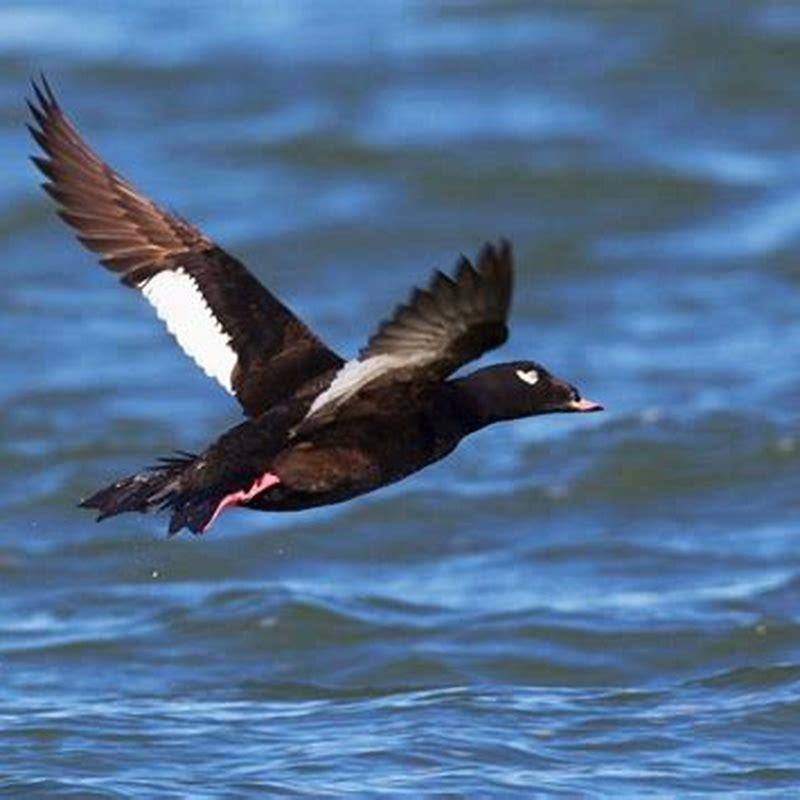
(478, 402)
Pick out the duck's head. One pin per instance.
(523, 389)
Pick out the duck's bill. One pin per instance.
(584, 406)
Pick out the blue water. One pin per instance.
(601, 606)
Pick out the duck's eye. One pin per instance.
(530, 376)
(576, 395)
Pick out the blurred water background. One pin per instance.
(601, 606)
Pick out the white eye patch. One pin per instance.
(531, 376)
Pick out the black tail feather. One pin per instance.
(193, 514)
(153, 488)
(181, 484)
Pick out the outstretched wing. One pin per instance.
(222, 317)
(453, 321)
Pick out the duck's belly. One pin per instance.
(347, 463)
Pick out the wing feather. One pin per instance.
(219, 313)
(452, 322)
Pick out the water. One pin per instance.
(599, 606)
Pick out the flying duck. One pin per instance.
(318, 429)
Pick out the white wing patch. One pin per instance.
(178, 301)
(355, 375)
(531, 376)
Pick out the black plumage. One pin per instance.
(320, 430)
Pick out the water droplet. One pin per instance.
(651, 415)
(557, 491)
(787, 444)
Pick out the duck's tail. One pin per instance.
(153, 488)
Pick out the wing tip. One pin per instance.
(500, 252)
(42, 89)
(45, 111)
(44, 103)
(495, 264)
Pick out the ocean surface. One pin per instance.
(597, 606)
